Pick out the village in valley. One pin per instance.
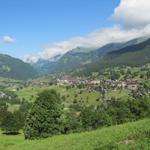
(100, 88)
(90, 84)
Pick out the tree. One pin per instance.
(114, 75)
(12, 123)
(148, 74)
(119, 111)
(140, 107)
(3, 111)
(87, 115)
(93, 118)
(44, 118)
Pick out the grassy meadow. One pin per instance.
(130, 136)
(30, 93)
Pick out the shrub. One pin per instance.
(71, 123)
(93, 118)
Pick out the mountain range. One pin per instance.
(80, 60)
(15, 68)
(134, 52)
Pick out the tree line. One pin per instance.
(47, 116)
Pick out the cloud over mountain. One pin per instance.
(133, 17)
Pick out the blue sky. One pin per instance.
(36, 23)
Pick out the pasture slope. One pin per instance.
(129, 136)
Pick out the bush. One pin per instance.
(71, 123)
(140, 108)
(44, 118)
(119, 111)
(93, 118)
(115, 112)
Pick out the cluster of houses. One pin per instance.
(4, 95)
(75, 81)
(87, 83)
(94, 83)
(12, 85)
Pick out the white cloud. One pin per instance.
(95, 39)
(133, 17)
(133, 13)
(7, 39)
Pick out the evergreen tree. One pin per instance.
(44, 118)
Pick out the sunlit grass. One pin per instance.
(134, 135)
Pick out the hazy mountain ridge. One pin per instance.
(79, 58)
(15, 68)
(134, 55)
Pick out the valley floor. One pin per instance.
(132, 136)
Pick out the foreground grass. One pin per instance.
(123, 137)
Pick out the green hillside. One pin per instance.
(129, 136)
(134, 55)
(134, 52)
(131, 53)
(82, 50)
(15, 68)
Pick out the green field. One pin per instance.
(130, 136)
(30, 93)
